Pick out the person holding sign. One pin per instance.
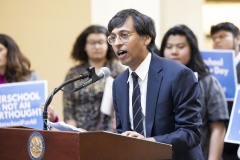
(226, 36)
(16, 67)
(180, 44)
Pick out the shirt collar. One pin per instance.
(142, 69)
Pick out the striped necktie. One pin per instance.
(136, 105)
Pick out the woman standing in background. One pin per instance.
(14, 66)
(83, 108)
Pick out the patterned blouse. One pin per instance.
(84, 105)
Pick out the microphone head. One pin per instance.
(105, 71)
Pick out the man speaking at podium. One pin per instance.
(155, 99)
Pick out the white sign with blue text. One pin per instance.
(233, 132)
(221, 65)
(20, 104)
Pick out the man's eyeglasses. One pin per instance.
(124, 38)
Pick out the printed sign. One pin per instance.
(221, 65)
(20, 104)
(233, 132)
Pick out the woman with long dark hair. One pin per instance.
(180, 44)
(83, 108)
(14, 65)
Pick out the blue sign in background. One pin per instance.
(233, 132)
(221, 65)
(20, 104)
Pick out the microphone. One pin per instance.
(104, 72)
(89, 73)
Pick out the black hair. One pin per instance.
(196, 63)
(227, 26)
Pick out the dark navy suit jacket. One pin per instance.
(172, 107)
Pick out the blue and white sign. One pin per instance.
(20, 104)
(233, 132)
(221, 65)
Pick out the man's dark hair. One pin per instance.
(143, 24)
(227, 26)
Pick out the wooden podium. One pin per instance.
(100, 145)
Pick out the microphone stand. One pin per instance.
(90, 70)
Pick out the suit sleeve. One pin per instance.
(185, 92)
(118, 122)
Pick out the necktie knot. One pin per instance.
(134, 77)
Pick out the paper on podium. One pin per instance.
(107, 100)
(61, 126)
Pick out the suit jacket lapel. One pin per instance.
(153, 89)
